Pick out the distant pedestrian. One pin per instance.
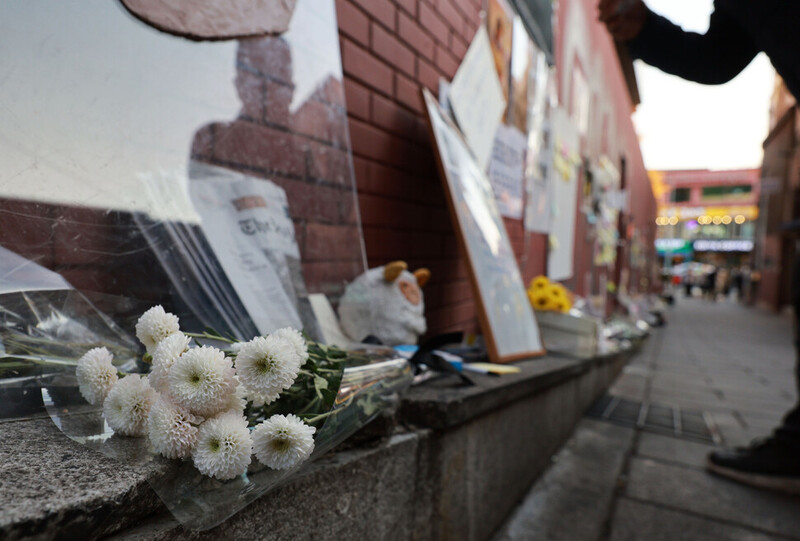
(737, 31)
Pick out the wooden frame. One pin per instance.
(505, 314)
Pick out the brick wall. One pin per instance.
(390, 50)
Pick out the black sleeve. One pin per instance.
(715, 57)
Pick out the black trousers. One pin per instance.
(789, 430)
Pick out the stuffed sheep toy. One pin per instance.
(385, 302)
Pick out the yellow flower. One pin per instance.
(539, 282)
(541, 300)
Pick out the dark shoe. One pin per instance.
(768, 463)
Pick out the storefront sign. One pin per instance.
(723, 245)
(750, 212)
(673, 246)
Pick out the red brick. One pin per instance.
(328, 164)
(458, 46)
(446, 62)
(390, 243)
(380, 10)
(428, 75)
(407, 92)
(387, 181)
(250, 88)
(312, 202)
(410, 6)
(203, 143)
(358, 99)
(410, 32)
(270, 56)
(278, 99)
(371, 142)
(83, 236)
(431, 20)
(313, 119)
(260, 147)
(396, 119)
(332, 243)
(329, 277)
(386, 46)
(449, 13)
(330, 92)
(322, 121)
(360, 170)
(26, 228)
(468, 29)
(352, 22)
(361, 65)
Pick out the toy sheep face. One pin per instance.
(385, 302)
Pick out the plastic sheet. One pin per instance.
(116, 131)
(371, 382)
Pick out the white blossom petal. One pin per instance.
(164, 355)
(203, 381)
(283, 442)
(172, 429)
(154, 326)
(266, 366)
(96, 375)
(128, 404)
(223, 446)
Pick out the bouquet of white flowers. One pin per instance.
(213, 402)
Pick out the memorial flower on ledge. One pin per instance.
(283, 441)
(266, 366)
(154, 326)
(128, 404)
(172, 429)
(223, 446)
(96, 375)
(164, 356)
(202, 380)
(203, 402)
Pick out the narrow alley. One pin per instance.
(717, 374)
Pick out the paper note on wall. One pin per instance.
(477, 98)
(507, 169)
(564, 186)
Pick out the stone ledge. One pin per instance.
(445, 403)
(52, 487)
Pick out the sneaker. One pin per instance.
(768, 463)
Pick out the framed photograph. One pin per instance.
(505, 313)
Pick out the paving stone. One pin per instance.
(667, 448)
(572, 499)
(637, 521)
(700, 493)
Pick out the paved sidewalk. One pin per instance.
(725, 363)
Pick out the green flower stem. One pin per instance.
(309, 406)
(320, 416)
(209, 336)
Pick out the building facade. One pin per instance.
(707, 216)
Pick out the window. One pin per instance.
(742, 191)
(680, 195)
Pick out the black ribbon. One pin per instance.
(424, 355)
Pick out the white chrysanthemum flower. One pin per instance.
(96, 375)
(164, 355)
(202, 380)
(223, 446)
(172, 429)
(266, 366)
(283, 442)
(127, 406)
(294, 337)
(154, 326)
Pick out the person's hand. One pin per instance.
(624, 19)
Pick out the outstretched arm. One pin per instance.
(711, 58)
